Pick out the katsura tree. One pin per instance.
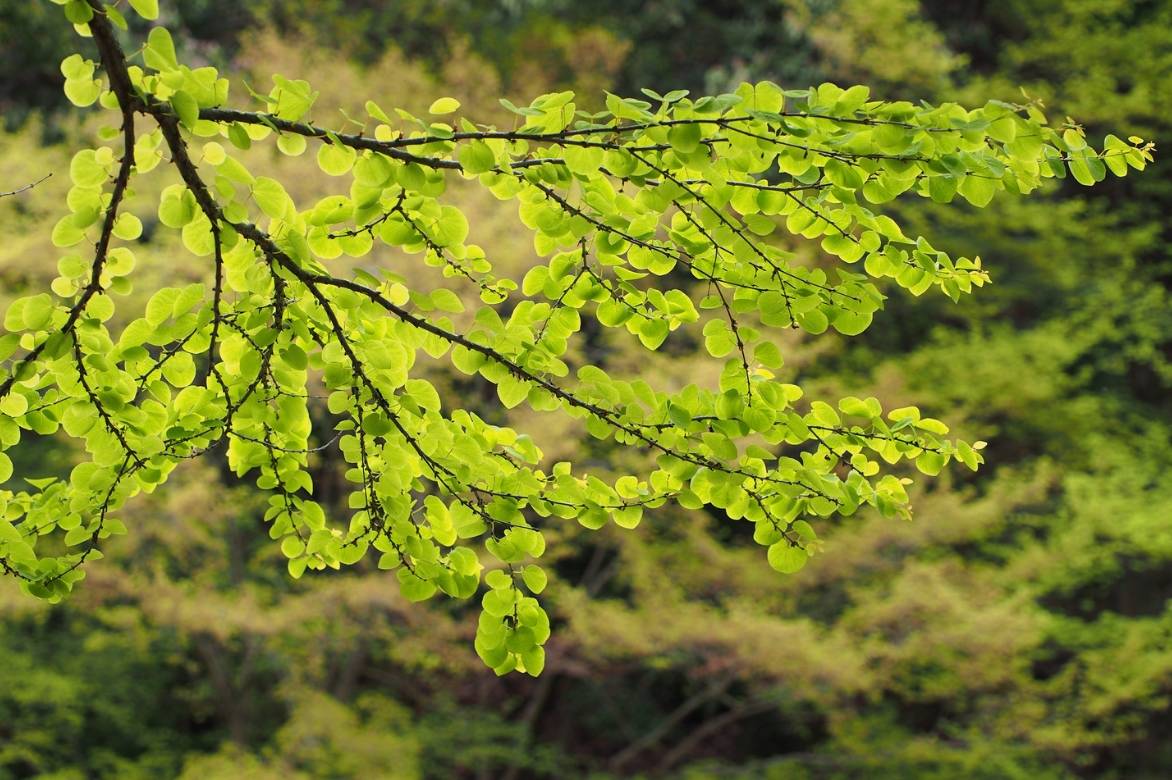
(652, 216)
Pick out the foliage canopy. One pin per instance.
(656, 217)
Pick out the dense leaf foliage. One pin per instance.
(655, 218)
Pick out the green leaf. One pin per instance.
(414, 588)
(292, 546)
(76, 536)
(477, 157)
(652, 333)
(930, 463)
(534, 578)
(147, 9)
(177, 208)
(534, 660)
(180, 370)
(66, 232)
(86, 171)
(444, 105)
(36, 311)
(1082, 168)
(127, 227)
(160, 306)
(78, 11)
(786, 558)
(942, 188)
(464, 561)
(186, 108)
(512, 392)
(767, 354)
(82, 92)
(335, 159)
(685, 138)
(239, 136)
(813, 321)
(271, 197)
(977, 190)
(451, 228)
(292, 144)
(851, 323)
(160, 50)
(76, 67)
(719, 340)
(498, 603)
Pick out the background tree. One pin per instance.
(716, 581)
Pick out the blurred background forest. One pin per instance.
(1020, 627)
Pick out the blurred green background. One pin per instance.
(1020, 627)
